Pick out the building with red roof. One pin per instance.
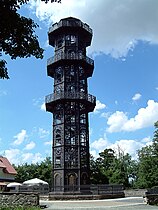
(7, 172)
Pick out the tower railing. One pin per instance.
(69, 56)
(69, 23)
(70, 95)
(99, 189)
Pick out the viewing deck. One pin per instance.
(85, 61)
(68, 23)
(88, 98)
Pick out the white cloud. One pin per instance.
(94, 153)
(39, 103)
(99, 106)
(48, 143)
(33, 158)
(117, 25)
(20, 137)
(136, 97)
(26, 157)
(13, 156)
(99, 144)
(43, 133)
(105, 115)
(30, 145)
(43, 107)
(116, 121)
(146, 140)
(145, 117)
(37, 158)
(130, 146)
(18, 157)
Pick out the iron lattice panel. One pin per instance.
(70, 103)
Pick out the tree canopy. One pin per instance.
(41, 170)
(111, 167)
(148, 163)
(17, 34)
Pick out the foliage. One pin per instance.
(117, 167)
(96, 175)
(17, 34)
(41, 170)
(148, 164)
(112, 168)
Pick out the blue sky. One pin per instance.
(125, 80)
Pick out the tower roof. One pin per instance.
(70, 25)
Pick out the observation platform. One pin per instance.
(51, 100)
(67, 25)
(70, 59)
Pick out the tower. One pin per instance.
(70, 104)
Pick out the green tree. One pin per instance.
(101, 167)
(155, 140)
(107, 158)
(17, 34)
(146, 167)
(112, 168)
(96, 172)
(41, 170)
(122, 170)
(148, 163)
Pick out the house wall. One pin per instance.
(5, 176)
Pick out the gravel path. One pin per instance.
(129, 203)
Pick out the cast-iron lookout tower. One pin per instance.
(70, 103)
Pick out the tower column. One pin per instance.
(70, 104)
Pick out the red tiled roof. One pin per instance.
(7, 165)
(2, 164)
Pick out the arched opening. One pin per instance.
(57, 182)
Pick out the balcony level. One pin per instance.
(70, 25)
(52, 99)
(70, 59)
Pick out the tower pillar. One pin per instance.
(70, 104)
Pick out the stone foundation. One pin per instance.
(18, 199)
(151, 196)
(135, 192)
(52, 196)
(151, 199)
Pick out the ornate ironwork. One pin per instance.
(69, 56)
(70, 103)
(71, 95)
(70, 23)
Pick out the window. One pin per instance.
(59, 42)
(58, 75)
(70, 39)
(73, 39)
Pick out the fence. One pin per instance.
(107, 189)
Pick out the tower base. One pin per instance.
(90, 192)
(75, 196)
